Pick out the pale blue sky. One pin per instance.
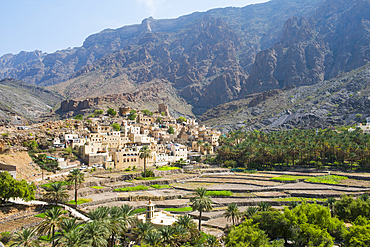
(51, 25)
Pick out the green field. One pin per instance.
(97, 187)
(219, 193)
(185, 209)
(80, 201)
(167, 168)
(288, 178)
(158, 186)
(328, 179)
(135, 188)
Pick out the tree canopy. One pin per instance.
(12, 188)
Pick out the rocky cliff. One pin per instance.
(343, 100)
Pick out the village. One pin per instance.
(113, 141)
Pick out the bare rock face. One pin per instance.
(297, 60)
(334, 40)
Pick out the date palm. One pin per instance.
(52, 220)
(73, 238)
(212, 241)
(96, 234)
(77, 177)
(201, 202)
(264, 206)
(141, 230)
(187, 222)
(56, 192)
(251, 211)
(153, 239)
(331, 201)
(25, 238)
(145, 154)
(232, 212)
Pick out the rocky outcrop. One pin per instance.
(153, 93)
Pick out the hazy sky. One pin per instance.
(51, 25)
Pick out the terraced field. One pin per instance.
(242, 188)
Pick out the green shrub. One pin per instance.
(135, 188)
(219, 193)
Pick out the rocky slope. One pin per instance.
(25, 100)
(333, 40)
(343, 100)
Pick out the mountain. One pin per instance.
(28, 101)
(204, 60)
(343, 100)
(333, 40)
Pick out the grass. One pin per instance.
(135, 188)
(185, 209)
(80, 201)
(219, 193)
(147, 178)
(328, 179)
(97, 187)
(167, 168)
(158, 186)
(139, 210)
(288, 178)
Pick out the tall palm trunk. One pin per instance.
(76, 192)
(200, 219)
(145, 168)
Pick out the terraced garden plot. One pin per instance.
(238, 178)
(265, 183)
(192, 185)
(15, 224)
(355, 183)
(272, 194)
(320, 193)
(289, 178)
(237, 188)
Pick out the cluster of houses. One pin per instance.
(98, 140)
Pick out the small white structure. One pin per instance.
(159, 218)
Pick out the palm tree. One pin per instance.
(264, 206)
(77, 177)
(251, 211)
(212, 241)
(232, 212)
(69, 224)
(96, 234)
(25, 238)
(73, 238)
(153, 238)
(168, 235)
(145, 154)
(201, 202)
(115, 223)
(56, 192)
(187, 222)
(99, 214)
(141, 230)
(52, 220)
